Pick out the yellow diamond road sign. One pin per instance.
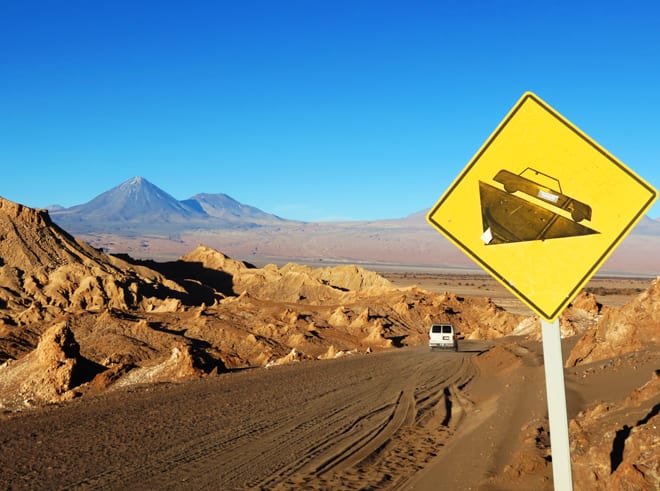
(541, 206)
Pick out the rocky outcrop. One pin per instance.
(215, 260)
(620, 331)
(578, 318)
(47, 374)
(45, 273)
(292, 282)
(614, 445)
(180, 365)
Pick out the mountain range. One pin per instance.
(137, 204)
(145, 221)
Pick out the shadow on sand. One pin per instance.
(202, 284)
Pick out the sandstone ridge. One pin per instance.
(137, 321)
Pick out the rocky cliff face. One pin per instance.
(49, 373)
(45, 273)
(615, 445)
(631, 328)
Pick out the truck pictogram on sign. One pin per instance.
(510, 215)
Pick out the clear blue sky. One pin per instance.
(311, 109)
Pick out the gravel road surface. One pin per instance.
(351, 423)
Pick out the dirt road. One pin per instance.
(350, 423)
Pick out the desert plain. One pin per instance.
(207, 372)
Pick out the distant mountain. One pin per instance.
(137, 205)
(647, 226)
(134, 200)
(227, 208)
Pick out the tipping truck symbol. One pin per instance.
(509, 215)
(517, 182)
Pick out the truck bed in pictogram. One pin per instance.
(509, 215)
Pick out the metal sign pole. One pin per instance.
(556, 394)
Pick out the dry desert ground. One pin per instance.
(396, 419)
(209, 373)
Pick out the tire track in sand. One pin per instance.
(421, 419)
(338, 424)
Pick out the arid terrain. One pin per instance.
(611, 290)
(138, 218)
(210, 373)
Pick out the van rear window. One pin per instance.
(446, 329)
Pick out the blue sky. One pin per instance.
(312, 110)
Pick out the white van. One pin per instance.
(443, 336)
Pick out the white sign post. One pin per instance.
(556, 394)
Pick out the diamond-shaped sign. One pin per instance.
(541, 206)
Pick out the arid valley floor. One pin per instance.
(208, 373)
(276, 428)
